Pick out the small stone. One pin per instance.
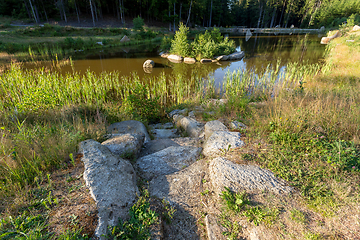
(175, 58)
(164, 133)
(236, 56)
(237, 125)
(177, 112)
(205, 60)
(191, 115)
(356, 28)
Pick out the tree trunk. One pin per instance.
(95, 10)
(169, 19)
(259, 20)
(180, 12)
(174, 17)
(188, 19)
(273, 18)
(63, 7)
(27, 9)
(77, 11)
(282, 13)
(210, 13)
(32, 9)
(92, 12)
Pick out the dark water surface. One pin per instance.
(260, 51)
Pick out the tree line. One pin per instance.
(207, 13)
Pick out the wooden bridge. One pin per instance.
(244, 30)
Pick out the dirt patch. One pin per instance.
(76, 208)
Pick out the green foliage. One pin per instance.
(138, 23)
(24, 227)
(210, 44)
(180, 43)
(166, 43)
(35, 99)
(141, 218)
(141, 105)
(297, 216)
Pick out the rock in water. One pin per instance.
(224, 173)
(189, 60)
(175, 58)
(148, 64)
(167, 161)
(111, 181)
(236, 56)
(130, 126)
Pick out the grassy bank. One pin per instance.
(303, 125)
(50, 42)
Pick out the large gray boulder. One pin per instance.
(236, 56)
(167, 161)
(156, 145)
(125, 144)
(221, 141)
(224, 173)
(213, 126)
(192, 127)
(111, 181)
(130, 126)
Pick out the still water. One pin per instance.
(260, 51)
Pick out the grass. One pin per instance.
(303, 124)
(52, 42)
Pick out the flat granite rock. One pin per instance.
(224, 173)
(221, 141)
(111, 181)
(167, 161)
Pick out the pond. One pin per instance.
(260, 51)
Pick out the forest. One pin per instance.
(206, 13)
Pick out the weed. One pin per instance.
(297, 216)
(235, 202)
(205, 192)
(141, 218)
(168, 211)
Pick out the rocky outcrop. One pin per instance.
(220, 142)
(149, 64)
(224, 173)
(213, 126)
(130, 126)
(111, 182)
(167, 161)
(125, 144)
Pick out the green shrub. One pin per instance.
(138, 23)
(180, 43)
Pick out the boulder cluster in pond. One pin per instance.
(178, 59)
(173, 165)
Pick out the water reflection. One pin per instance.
(260, 51)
